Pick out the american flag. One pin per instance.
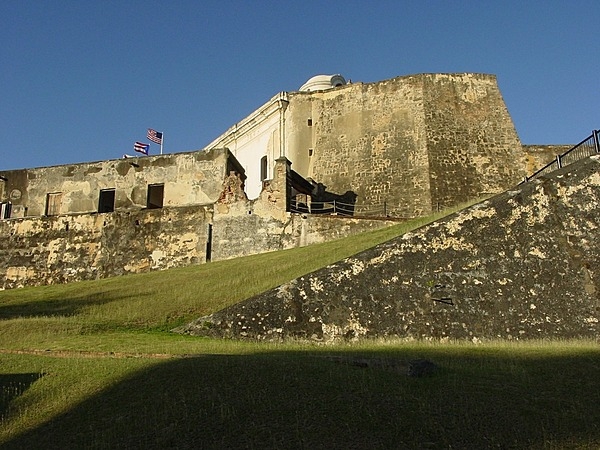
(141, 147)
(155, 136)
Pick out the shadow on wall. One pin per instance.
(311, 197)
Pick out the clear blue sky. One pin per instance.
(81, 80)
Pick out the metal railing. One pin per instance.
(588, 147)
(336, 207)
(332, 207)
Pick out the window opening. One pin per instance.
(155, 196)
(263, 168)
(209, 243)
(310, 152)
(53, 201)
(106, 201)
(5, 210)
(309, 122)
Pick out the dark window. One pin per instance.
(209, 243)
(155, 196)
(106, 202)
(5, 210)
(53, 202)
(263, 168)
(310, 122)
(310, 152)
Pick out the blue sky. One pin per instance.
(82, 80)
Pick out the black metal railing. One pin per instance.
(332, 207)
(337, 207)
(588, 147)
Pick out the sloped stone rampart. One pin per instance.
(521, 265)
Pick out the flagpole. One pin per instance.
(161, 142)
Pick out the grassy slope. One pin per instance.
(249, 395)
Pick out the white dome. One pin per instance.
(323, 82)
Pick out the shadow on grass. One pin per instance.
(287, 400)
(60, 307)
(11, 386)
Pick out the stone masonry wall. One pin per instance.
(59, 249)
(368, 138)
(243, 227)
(472, 143)
(521, 265)
(245, 232)
(74, 247)
(537, 156)
(188, 178)
(416, 142)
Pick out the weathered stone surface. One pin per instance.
(244, 227)
(248, 232)
(418, 142)
(190, 179)
(537, 156)
(80, 246)
(522, 265)
(59, 249)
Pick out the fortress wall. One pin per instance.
(537, 156)
(471, 140)
(189, 178)
(417, 142)
(300, 133)
(246, 232)
(368, 138)
(74, 247)
(59, 249)
(242, 227)
(521, 265)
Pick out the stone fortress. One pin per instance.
(388, 150)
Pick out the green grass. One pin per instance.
(93, 365)
(160, 301)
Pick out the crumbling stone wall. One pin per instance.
(74, 247)
(244, 231)
(189, 178)
(521, 265)
(59, 249)
(244, 227)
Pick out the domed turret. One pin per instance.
(322, 83)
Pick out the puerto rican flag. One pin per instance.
(140, 147)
